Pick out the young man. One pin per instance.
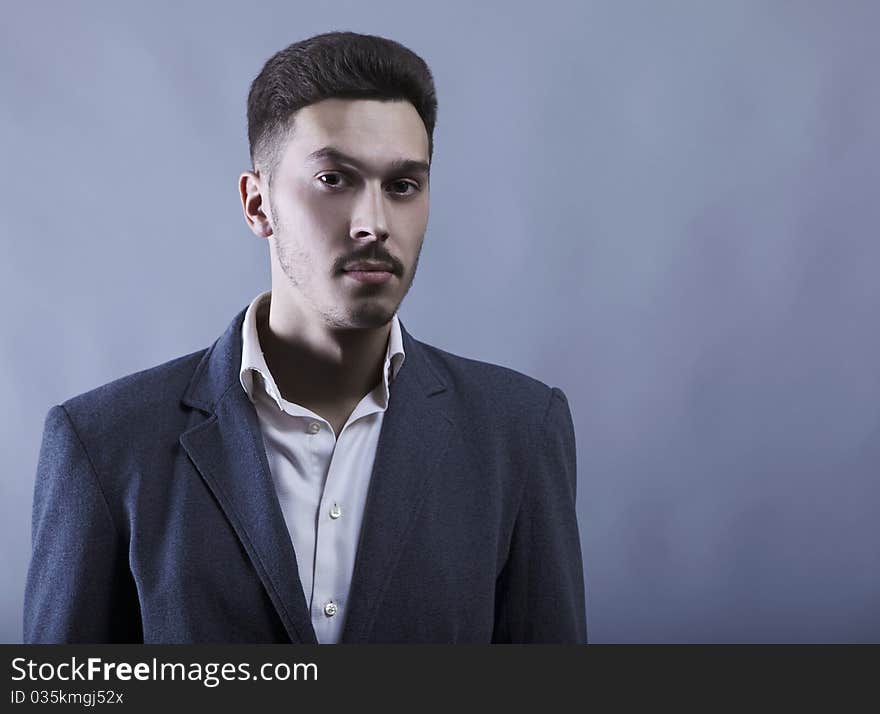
(317, 474)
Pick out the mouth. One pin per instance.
(369, 271)
(370, 276)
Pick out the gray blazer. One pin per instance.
(155, 518)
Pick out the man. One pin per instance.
(317, 475)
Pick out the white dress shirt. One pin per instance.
(321, 478)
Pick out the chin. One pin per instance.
(371, 314)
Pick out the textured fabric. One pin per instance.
(320, 478)
(156, 520)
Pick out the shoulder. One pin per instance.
(499, 388)
(147, 398)
(508, 420)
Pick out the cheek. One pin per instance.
(412, 222)
(321, 213)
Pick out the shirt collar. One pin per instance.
(253, 363)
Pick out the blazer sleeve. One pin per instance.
(79, 586)
(540, 591)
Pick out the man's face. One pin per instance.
(349, 188)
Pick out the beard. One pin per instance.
(321, 291)
(304, 273)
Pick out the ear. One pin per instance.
(251, 189)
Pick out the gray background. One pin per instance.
(668, 209)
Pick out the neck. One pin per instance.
(316, 363)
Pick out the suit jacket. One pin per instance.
(155, 518)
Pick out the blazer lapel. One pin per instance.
(415, 435)
(227, 449)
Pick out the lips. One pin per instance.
(369, 266)
(372, 272)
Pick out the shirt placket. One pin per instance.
(326, 602)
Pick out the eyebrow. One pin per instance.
(396, 166)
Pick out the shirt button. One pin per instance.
(314, 427)
(335, 512)
(330, 609)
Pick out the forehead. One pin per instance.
(368, 129)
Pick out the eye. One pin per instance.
(402, 187)
(336, 179)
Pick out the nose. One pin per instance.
(369, 222)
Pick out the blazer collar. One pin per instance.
(228, 452)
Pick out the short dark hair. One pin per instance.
(344, 65)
